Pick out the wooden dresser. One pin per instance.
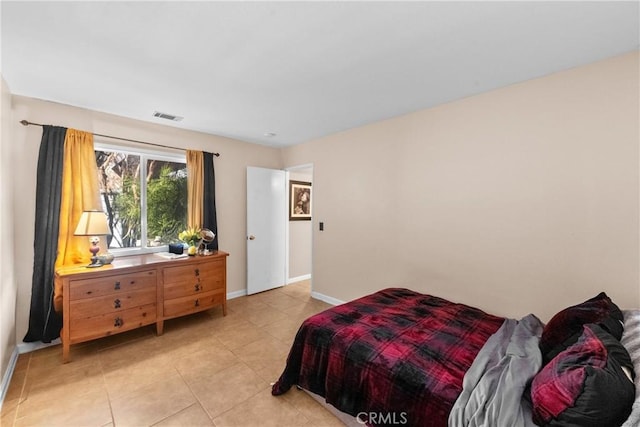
(136, 291)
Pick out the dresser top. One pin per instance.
(136, 262)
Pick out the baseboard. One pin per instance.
(316, 295)
(28, 347)
(291, 280)
(236, 294)
(326, 298)
(6, 378)
(243, 292)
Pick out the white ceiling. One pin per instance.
(301, 70)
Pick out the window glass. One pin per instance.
(166, 201)
(144, 196)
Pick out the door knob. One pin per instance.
(252, 237)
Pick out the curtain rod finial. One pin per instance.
(24, 123)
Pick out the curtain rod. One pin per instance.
(27, 123)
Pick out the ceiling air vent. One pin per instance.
(167, 116)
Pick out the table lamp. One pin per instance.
(93, 224)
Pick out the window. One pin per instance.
(144, 194)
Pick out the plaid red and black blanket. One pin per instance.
(393, 357)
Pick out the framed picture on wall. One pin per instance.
(299, 201)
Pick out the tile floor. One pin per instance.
(206, 370)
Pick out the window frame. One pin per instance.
(145, 155)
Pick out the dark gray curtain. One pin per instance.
(210, 219)
(44, 322)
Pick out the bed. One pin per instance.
(398, 357)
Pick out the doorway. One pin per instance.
(300, 233)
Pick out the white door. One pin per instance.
(266, 229)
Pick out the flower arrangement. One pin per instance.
(191, 236)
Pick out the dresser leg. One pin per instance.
(159, 327)
(65, 352)
(224, 308)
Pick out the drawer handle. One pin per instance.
(116, 303)
(197, 304)
(197, 287)
(117, 286)
(117, 322)
(197, 271)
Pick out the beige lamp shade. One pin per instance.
(92, 223)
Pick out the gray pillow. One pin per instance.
(631, 341)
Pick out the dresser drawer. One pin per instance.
(192, 271)
(88, 307)
(85, 328)
(89, 288)
(195, 279)
(193, 303)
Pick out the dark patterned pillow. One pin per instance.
(566, 326)
(585, 384)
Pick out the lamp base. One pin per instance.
(95, 262)
(94, 249)
(98, 264)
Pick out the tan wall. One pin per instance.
(230, 179)
(8, 286)
(300, 234)
(523, 199)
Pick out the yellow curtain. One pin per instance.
(80, 192)
(195, 188)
